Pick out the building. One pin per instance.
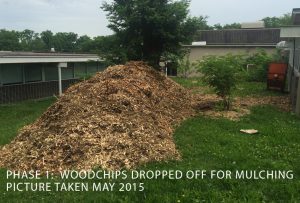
(237, 41)
(292, 36)
(233, 41)
(29, 75)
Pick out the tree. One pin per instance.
(275, 22)
(65, 41)
(227, 26)
(47, 38)
(148, 28)
(185, 65)
(221, 73)
(232, 26)
(30, 41)
(84, 43)
(110, 48)
(9, 40)
(217, 26)
(261, 61)
(192, 25)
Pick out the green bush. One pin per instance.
(222, 73)
(260, 61)
(185, 67)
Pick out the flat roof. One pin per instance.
(232, 45)
(49, 57)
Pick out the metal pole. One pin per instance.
(166, 64)
(59, 81)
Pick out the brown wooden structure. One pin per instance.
(267, 36)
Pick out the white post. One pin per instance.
(166, 65)
(59, 81)
(166, 71)
(59, 66)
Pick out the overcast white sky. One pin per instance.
(86, 17)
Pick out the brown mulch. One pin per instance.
(120, 118)
(205, 104)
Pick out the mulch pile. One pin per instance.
(120, 118)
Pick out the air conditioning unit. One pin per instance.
(201, 43)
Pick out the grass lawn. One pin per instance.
(205, 144)
(255, 89)
(14, 116)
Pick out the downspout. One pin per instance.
(293, 73)
(0, 75)
(294, 54)
(297, 77)
(59, 81)
(59, 67)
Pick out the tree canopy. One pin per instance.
(9, 40)
(149, 28)
(227, 26)
(275, 22)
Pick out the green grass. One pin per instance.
(204, 144)
(255, 89)
(242, 89)
(15, 116)
(189, 82)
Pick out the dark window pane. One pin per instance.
(66, 73)
(51, 72)
(80, 70)
(33, 72)
(11, 73)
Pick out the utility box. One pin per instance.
(277, 76)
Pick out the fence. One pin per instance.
(36, 90)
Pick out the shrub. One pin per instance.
(185, 67)
(261, 61)
(222, 73)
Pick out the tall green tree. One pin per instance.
(227, 26)
(275, 22)
(48, 39)
(9, 40)
(30, 41)
(65, 41)
(110, 48)
(191, 27)
(83, 43)
(148, 28)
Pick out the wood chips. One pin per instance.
(120, 118)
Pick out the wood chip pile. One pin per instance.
(120, 118)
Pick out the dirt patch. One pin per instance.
(240, 107)
(120, 118)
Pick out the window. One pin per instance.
(51, 72)
(66, 73)
(11, 74)
(80, 70)
(92, 67)
(33, 72)
(101, 66)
